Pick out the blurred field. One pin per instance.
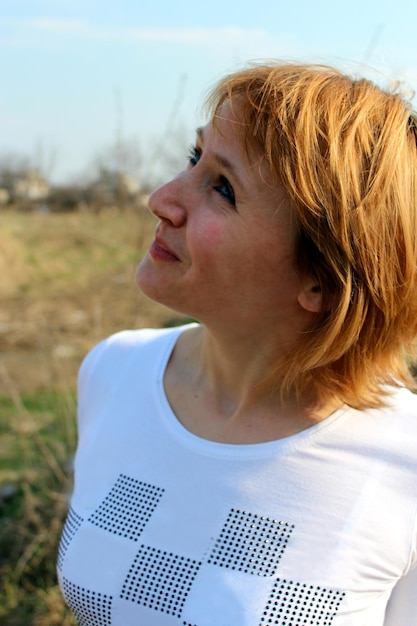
(67, 281)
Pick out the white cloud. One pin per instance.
(232, 44)
(195, 35)
(70, 27)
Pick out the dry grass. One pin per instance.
(67, 281)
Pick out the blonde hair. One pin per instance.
(346, 153)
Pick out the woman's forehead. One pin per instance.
(224, 136)
(228, 124)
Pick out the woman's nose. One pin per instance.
(168, 203)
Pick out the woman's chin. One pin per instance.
(150, 282)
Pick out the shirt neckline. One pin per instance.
(231, 450)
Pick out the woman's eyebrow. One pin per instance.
(222, 160)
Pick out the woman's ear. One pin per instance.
(310, 297)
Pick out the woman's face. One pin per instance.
(223, 247)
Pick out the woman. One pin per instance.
(260, 467)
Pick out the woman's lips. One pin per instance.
(160, 251)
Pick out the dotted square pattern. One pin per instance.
(127, 508)
(248, 544)
(251, 543)
(160, 580)
(89, 607)
(295, 604)
(72, 524)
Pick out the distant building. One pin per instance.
(113, 188)
(30, 186)
(111, 184)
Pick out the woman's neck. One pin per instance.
(218, 389)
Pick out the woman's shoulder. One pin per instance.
(127, 339)
(119, 362)
(116, 351)
(123, 342)
(396, 423)
(402, 406)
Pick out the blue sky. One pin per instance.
(76, 75)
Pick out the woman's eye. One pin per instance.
(225, 189)
(194, 155)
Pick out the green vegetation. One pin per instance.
(37, 439)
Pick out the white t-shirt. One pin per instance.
(168, 529)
